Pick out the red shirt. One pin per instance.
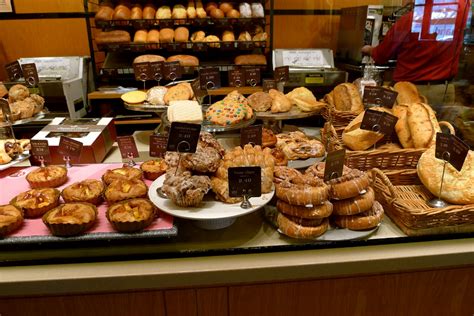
(422, 60)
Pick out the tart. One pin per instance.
(131, 215)
(36, 202)
(152, 169)
(47, 177)
(120, 190)
(124, 173)
(70, 219)
(11, 217)
(89, 190)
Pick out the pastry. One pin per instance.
(221, 188)
(362, 221)
(355, 205)
(26, 109)
(11, 218)
(346, 97)
(204, 160)
(260, 101)
(36, 202)
(317, 170)
(70, 219)
(407, 93)
(122, 189)
(186, 190)
(280, 103)
(156, 95)
(279, 156)
(89, 190)
(349, 185)
(164, 12)
(185, 112)
(296, 145)
(313, 212)
(131, 215)
(154, 168)
(39, 102)
(124, 173)
(304, 99)
(282, 173)
(177, 93)
(206, 139)
(423, 125)
(231, 110)
(312, 191)
(269, 138)
(198, 36)
(134, 97)
(301, 229)
(47, 177)
(179, 12)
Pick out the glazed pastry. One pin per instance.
(122, 189)
(124, 173)
(11, 217)
(356, 205)
(283, 173)
(152, 169)
(221, 188)
(279, 156)
(36, 202)
(131, 215)
(260, 101)
(300, 228)
(296, 145)
(70, 219)
(206, 139)
(89, 190)
(313, 212)
(362, 221)
(317, 170)
(47, 177)
(351, 184)
(312, 191)
(204, 160)
(268, 138)
(186, 190)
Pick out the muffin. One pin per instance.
(152, 169)
(36, 202)
(131, 215)
(89, 190)
(124, 173)
(47, 177)
(120, 190)
(186, 190)
(70, 219)
(11, 217)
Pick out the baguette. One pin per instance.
(407, 93)
(252, 59)
(401, 128)
(347, 98)
(423, 125)
(112, 37)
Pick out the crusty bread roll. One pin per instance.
(211, 6)
(423, 125)
(245, 37)
(217, 13)
(112, 37)
(121, 12)
(234, 14)
(458, 186)
(140, 36)
(407, 93)
(228, 36)
(198, 36)
(148, 59)
(153, 36)
(149, 12)
(201, 13)
(401, 128)
(191, 10)
(163, 13)
(179, 12)
(346, 97)
(136, 12)
(181, 34)
(225, 7)
(105, 13)
(214, 40)
(185, 60)
(166, 35)
(280, 103)
(251, 59)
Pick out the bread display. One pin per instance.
(113, 37)
(11, 218)
(296, 145)
(252, 59)
(132, 215)
(70, 219)
(184, 60)
(345, 97)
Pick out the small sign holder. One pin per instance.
(40, 151)
(157, 71)
(438, 202)
(334, 165)
(68, 148)
(282, 76)
(128, 149)
(245, 182)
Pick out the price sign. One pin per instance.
(128, 147)
(379, 96)
(156, 69)
(69, 147)
(252, 76)
(334, 164)
(142, 71)
(40, 150)
(30, 73)
(380, 122)
(452, 149)
(282, 74)
(269, 84)
(245, 181)
(236, 77)
(210, 78)
(251, 135)
(183, 137)
(158, 145)
(172, 70)
(198, 92)
(14, 70)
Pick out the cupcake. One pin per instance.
(89, 190)
(47, 177)
(70, 219)
(120, 190)
(11, 217)
(152, 169)
(124, 173)
(36, 202)
(131, 215)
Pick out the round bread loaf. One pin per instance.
(153, 36)
(148, 59)
(185, 60)
(181, 35)
(140, 36)
(105, 13)
(136, 12)
(166, 35)
(149, 12)
(122, 12)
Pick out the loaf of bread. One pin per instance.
(346, 97)
(228, 36)
(185, 60)
(112, 37)
(401, 128)
(148, 59)
(234, 14)
(245, 10)
(181, 35)
(211, 6)
(166, 35)
(251, 59)
(407, 93)
(163, 12)
(105, 13)
(149, 12)
(191, 10)
(225, 7)
(213, 40)
(140, 36)
(200, 12)
(423, 125)
(217, 13)
(179, 12)
(136, 12)
(257, 10)
(244, 37)
(153, 36)
(198, 36)
(122, 12)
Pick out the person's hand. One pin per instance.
(367, 50)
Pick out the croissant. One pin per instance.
(280, 102)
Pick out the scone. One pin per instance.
(152, 169)
(177, 93)
(70, 219)
(120, 190)
(131, 215)
(47, 177)
(36, 202)
(89, 190)
(11, 217)
(124, 173)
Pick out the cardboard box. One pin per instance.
(96, 134)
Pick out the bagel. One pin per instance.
(355, 205)
(362, 221)
(350, 185)
(308, 193)
(296, 230)
(314, 212)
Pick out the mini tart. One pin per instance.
(89, 190)
(70, 219)
(131, 215)
(11, 217)
(120, 190)
(152, 169)
(124, 173)
(36, 202)
(47, 177)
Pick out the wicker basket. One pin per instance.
(406, 204)
(338, 118)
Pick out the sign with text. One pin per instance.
(236, 77)
(210, 78)
(198, 92)
(269, 84)
(379, 96)
(40, 150)
(128, 147)
(245, 181)
(252, 76)
(183, 137)
(69, 147)
(282, 74)
(142, 71)
(14, 70)
(156, 69)
(452, 149)
(380, 122)
(334, 164)
(251, 135)
(30, 73)
(172, 70)
(158, 145)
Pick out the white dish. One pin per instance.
(303, 164)
(20, 158)
(210, 209)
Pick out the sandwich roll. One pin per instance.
(149, 12)
(181, 35)
(166, 35)
(153, 36)
(105, 13)
(136, 12)
(228, 36)
(140, 36)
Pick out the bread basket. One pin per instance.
(338, 118)
(405, 202)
